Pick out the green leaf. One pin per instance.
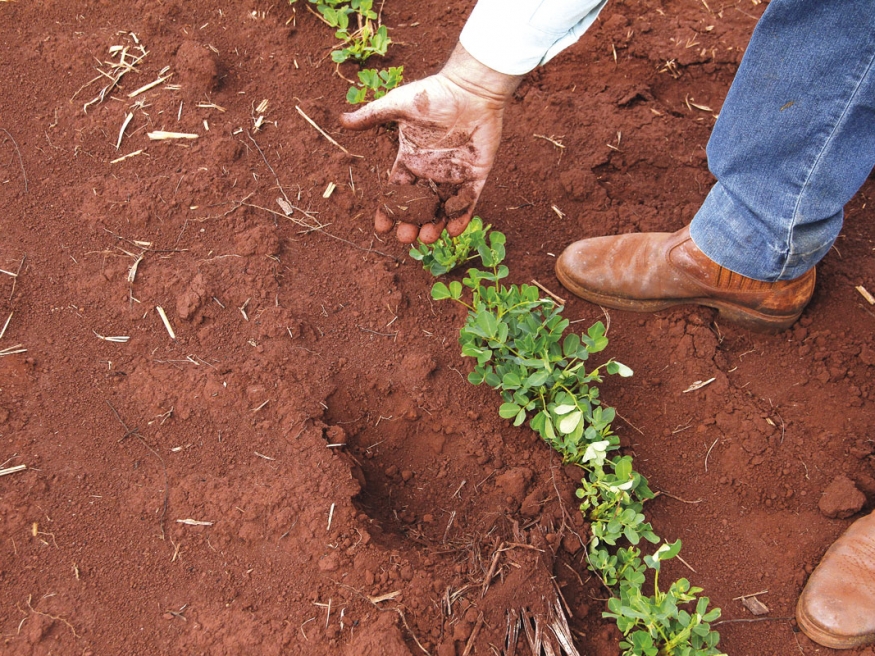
(538, 378)
(370, 78)
(673, 550)
(486, 256)
(570, 422)
(455, 290)
(508, 410)
(642, 643)
(487, 322)
(596, 330)
(520, 418)
(596, 453)
(571, 345)
(356, 96)
(563, 409)
(712, 614)
(548, 428)
(440, 291)
(614, 367)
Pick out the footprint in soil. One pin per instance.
(423, 204)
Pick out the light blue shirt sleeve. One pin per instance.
(515, 36)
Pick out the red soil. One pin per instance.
(290, 339)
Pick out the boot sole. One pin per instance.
(732, 312)
(824, 638)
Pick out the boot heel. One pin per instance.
(757, 322)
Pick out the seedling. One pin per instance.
(362, 44)
(448, 253)
(365, 40)
(357, 26)
(379, 82)
(517, 339)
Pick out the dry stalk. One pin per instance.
(6, 325)
(128, 156)
(275, 176)
(556, 298)
(56, 618)
(20, 161)
(474, 633)
(116, 71)
(161, 135)
(491, 571)
(323, 132)
(553, 140)
(135, 433)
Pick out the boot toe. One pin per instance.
(837, 607)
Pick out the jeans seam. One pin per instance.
(789, 253)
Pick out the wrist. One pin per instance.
(471, 75)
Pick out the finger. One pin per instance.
(431, 232)
(400, 174)
(460, 208)
(457, 226)
(407, 233)
(383, 110)
(382, 222)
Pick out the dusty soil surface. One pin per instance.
(348, 490)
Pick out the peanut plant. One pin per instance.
(377, 82)
(355, 23)
(516, 338)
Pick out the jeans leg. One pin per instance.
(795, 139)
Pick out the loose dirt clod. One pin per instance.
(459, 203)
(198, 69)
(754, 605)
(417, 204)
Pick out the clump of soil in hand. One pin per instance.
(417, 204)
(423, 204)
(457, 204)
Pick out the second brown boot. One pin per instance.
(651, 271)
(837, 607)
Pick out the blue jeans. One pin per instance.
(795, 139)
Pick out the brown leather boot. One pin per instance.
(646, 272)
(837, 607)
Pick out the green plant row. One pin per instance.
(361, 38)
(517, 339)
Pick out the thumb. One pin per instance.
(383, 110)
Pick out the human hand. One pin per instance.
(449, 127)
